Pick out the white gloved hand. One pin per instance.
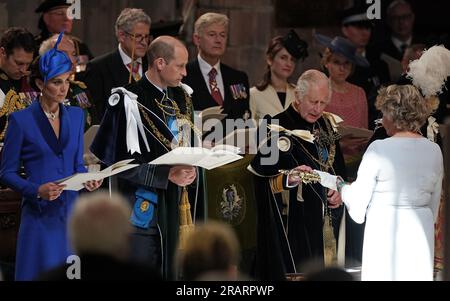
(327, 180)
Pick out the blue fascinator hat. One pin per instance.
(54, 62)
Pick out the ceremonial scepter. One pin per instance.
(305, 177)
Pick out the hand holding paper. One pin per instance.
(76, 182)
(198, 156)
(327, 180)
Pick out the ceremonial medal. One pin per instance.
(144, 206)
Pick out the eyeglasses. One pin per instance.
(138, 37)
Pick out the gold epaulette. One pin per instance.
(12, 103)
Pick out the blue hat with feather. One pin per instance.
(54, 62)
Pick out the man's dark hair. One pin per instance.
(16, 38)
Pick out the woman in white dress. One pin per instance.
(275, 94)
(397, 191)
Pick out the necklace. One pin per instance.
(52, 116)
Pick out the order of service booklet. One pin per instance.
(76, 181)
(200, 156)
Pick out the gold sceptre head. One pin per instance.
(305, 177)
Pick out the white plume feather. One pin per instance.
(431, 70)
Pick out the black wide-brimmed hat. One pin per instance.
(356, 15)
(294, 45)
(343, 47)
(48, 5)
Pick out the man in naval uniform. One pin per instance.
(16, 54)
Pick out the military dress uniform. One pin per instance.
(78, 96)
(11, 99)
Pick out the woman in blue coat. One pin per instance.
(47, 139)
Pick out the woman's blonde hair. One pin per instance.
(405, 106)
(212, 246)
(326, 58)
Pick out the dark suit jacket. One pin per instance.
(202, 99)
(104, 73)
(390, 49)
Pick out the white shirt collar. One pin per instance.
(125, 58)
(205, 67)
(398, 43)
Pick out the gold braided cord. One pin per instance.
(12, 103)
(155, 130)
(182, 119)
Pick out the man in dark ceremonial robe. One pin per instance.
(143, 121)
(293, 217)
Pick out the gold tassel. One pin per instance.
(186, 226)
(329, 243)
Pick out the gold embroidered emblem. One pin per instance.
(144, 206)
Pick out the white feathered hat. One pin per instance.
(431, 70)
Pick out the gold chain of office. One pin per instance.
(328, 137)
(173, 110)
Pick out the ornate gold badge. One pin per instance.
(144, 206)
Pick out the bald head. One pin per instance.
(167, 58)
(164, 47)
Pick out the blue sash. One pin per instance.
(144, 208)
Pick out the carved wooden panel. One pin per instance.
(9, 223)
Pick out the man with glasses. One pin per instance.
(53, 20)
(124, 65)
(400, 19)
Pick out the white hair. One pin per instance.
(308, 78)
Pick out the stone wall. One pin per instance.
(252, 26)
(96, 26)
